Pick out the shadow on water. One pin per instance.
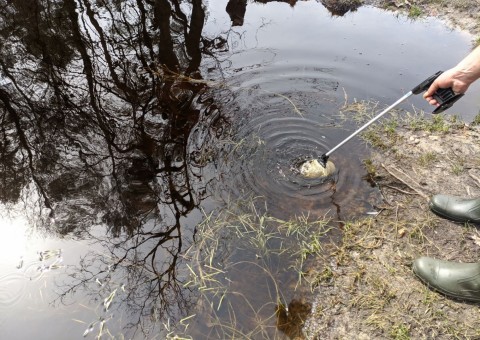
(136, 133)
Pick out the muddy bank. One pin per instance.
(458, 14)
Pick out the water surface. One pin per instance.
(126, 126)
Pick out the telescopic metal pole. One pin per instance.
(444, 97)
(325, 156)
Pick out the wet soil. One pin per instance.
(365, 287)
(370, 291)
(458, 14)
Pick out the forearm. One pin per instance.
(458, 78)
(468, 70)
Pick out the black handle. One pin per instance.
(444, 97)
(323, 160)
(424, 85)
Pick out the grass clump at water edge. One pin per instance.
(249, 268)
(414, 12)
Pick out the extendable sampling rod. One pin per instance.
(444, 97)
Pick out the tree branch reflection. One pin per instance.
(105, 111)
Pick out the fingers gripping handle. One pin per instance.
(444, 97)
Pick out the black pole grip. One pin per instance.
(323, 160)
(424, 85)
(444, 97)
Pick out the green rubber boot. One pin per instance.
(453, 279)
(456, 209)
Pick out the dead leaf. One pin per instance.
(476, 238)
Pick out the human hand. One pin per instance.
(455, 79)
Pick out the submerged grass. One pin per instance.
(239, 265)
(179, 78)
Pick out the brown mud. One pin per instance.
(457, 14)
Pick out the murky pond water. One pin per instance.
(150, 151)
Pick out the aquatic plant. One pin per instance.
(242, 266)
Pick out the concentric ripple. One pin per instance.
(279, 131)
(12, 292)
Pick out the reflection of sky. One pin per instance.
(18, 229)
(27, 286)
(375, 54)
(13, 240)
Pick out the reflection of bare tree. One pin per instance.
(290, 2)
(236, 10)
(104, 110)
